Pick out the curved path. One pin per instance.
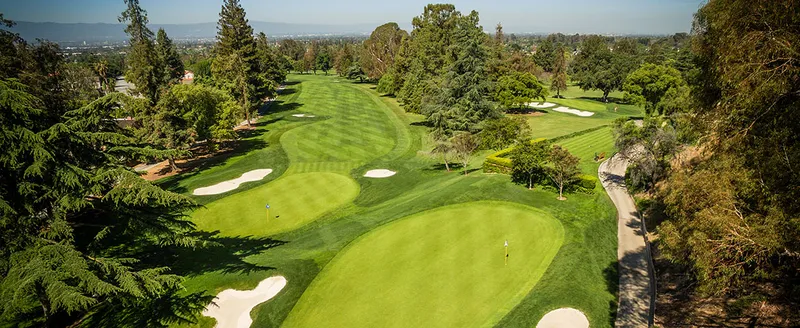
(635, 287)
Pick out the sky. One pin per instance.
(536, 16)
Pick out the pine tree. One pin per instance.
(144, 68)
(235, 63)
(270, 71)
(171, 64)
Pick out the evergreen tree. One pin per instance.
(462, 102)
(344, 59)
(559, 82)
(236, 64)
(380, 50)
(271, 72)
(144, 67)
(323, 61)
(169, 60)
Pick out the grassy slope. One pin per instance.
(579, 276)
(440, 268)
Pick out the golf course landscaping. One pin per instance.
(368, 229)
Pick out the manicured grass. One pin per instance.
(551, 124)
(582, 104)
(573, 91)
(353, 134)
(440, 268)
(587, 145)
(294, 201)
(580, 275)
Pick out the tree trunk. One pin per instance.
(605, 95)
(561, 191)
(246, 105)
(530, 182)
(466, 172)
(446, 164)
(172, 165)
(45, 302)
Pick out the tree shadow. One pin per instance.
(288, 83)
(278, 106)
(610, 100)
(611, 275)
(422, 123)
(221, 254)
(454, 167)
(526, 111)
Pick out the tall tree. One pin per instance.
(270, 73)
(559, 82)
(235, 51)
(144, 65)
(168, 59)
(655, 87)
(323, 61)
(546, 53)
(462, 102)
(380, 49)
(597, 67)
(563, 168)
(344, 59)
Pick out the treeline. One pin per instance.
(719, 157)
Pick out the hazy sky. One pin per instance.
(568, 16)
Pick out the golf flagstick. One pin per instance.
(506, 257)
(267, 212)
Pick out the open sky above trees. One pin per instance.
(569, 16)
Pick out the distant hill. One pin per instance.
(98, 32)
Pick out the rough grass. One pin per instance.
(581, 275)
(440, 268)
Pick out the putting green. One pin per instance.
(294, 201)
(440, 268)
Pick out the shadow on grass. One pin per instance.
(454, 167)
(526, 111)
(611, 274)
(278, 106)
(288, 83)
(222, 254)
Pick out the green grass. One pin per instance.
(440, 268)
(573, 91)
(587, 145)
(294, 201)
(580, 275)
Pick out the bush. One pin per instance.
(586, 183)
(499, 162)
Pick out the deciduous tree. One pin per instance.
(464, 145)
(563, 168)
(528, 162)
(516, 90)
(380, 49)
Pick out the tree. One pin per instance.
(235, 64)
(654, 87)
(292, 49)
(169, 61)
(546, 53)
(564, 168)
(443, 148)
(380, 49)
(75, 216)
(596, 67)
(464, 145)
(144, 66)
(344, 59)
(270, 72)
(462, 101)
(649, 148)
(559, 82)
(528, 162)
(355, 72)
(503, 132)
(186, 114)
(309, 59)
(733, 211)
(516, 90)
(323, 61)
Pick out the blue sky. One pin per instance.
(567, 16)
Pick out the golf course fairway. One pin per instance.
(439, 268)
(294, 201)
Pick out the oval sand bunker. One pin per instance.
(564, 318)
(541, 105)
(302, 115)
(232, 307)
(229, 185)
(382, 173)
(573, 111)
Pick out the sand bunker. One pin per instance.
(541, 105)
(573, 111)
(232, 307)
(229, 185)
(302, 115)
(564, 318)
(382, 173)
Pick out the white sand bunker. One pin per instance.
(382, 173)
(564, 318)
(541, 105)
(232, 307)
(302, 115)
(573, 111)
(229, 185)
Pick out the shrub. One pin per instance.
(586, 183)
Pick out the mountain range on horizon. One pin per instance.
(99, 32)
